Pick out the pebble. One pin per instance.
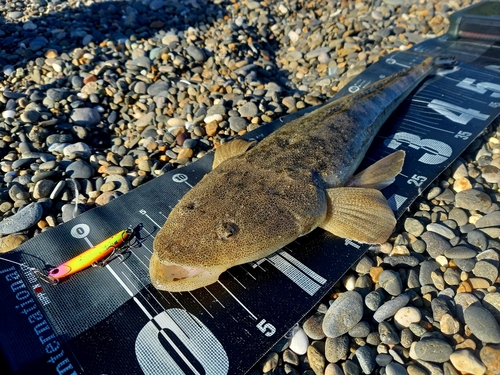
(269, 362)
(299, 342)
(460, 252)
(79, 169)
(23, 219)
(316, 359)
(435, 244)
(473, 199)
(362, 329)
(414, 226)
(433, 350)
(11, 241)
(373, 300)
(388, 334)
(344, 313)
(489, 220)
(336, 348)
(390, 308)
(426, 269)
(395, 369)
(391, 282)
(482, 324)
(466, 362)
(333, 369)
(486, 270)
(366, 359)
(313, 326)
(491, 302)
(406, 316)
(489, 355)
(85, 116)
(449, 325)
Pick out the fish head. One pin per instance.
(225, 220)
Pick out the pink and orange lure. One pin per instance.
(90, 256)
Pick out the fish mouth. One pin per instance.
(176, 278)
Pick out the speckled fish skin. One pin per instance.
(254, 204)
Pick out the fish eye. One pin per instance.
(190, 206)
(226, 230)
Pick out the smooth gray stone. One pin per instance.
(344, 313)
(390, 308)
(85, 116)
(433, 350)
(366, 359)
(482, 324)
(24, 219)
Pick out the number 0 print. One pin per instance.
(175, 340)
(436, 151)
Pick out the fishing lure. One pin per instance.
(100, 254)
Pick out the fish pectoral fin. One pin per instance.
(381, 174)
(231, 149)
(358, 214)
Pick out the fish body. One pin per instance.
(299, 178)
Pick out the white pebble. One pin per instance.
(412, 353)
(406, 316)
(216, 117)
(299, 342)
(349, 282)
(294, 37)
(442, 261)
(9, 113)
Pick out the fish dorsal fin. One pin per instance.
(381, 174)
(358, 214)
(230, 149)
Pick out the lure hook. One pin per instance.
(45, 278)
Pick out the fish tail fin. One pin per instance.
(380, 174)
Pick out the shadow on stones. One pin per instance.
(111, 27)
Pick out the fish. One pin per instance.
(260, 197)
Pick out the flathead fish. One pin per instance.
(260, 198)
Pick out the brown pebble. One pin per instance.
(106, 197)
(11, 241)
(152, 146)
(465, 287)
(316, 360)
(375, 273)
(145, 165)
(108, 186)
(466, 344)
(479, 283)
(180, 138)
(490, 356)
(51, 54)
(42, 224)
(186, 153)
(448, 325)
(462, 184)
(211, 128)
(90, 78)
